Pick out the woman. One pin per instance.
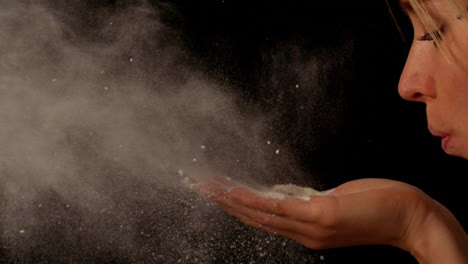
(360, 212)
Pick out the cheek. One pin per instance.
(454, 95)
(459, 47)
(461, 103)
(455, 72)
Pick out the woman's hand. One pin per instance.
(360, 212)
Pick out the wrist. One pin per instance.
(435, 236)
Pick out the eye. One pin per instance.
(430, 36)
(435, 35)
(426, 37)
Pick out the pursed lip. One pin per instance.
(437, 133)
(445, 137)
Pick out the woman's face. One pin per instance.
(438, 76)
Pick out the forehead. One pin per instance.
(432, 7)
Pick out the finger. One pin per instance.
(310, 235)
(212, 191)
(259, 219)
(218, 194)
(315, 242)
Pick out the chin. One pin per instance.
(456, 146)
(463, 152)
(459, 154)
(465, 156)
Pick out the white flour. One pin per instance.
(283, 191)
(279, 192)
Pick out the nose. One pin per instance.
(417, 81)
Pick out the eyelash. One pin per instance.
(428, 36)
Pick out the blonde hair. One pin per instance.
(428, 22)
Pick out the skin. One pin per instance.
(359, 212)
(439, 79)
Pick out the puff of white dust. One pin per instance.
(180, 172)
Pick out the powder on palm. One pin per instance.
(283, 191)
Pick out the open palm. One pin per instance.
(365, 211)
